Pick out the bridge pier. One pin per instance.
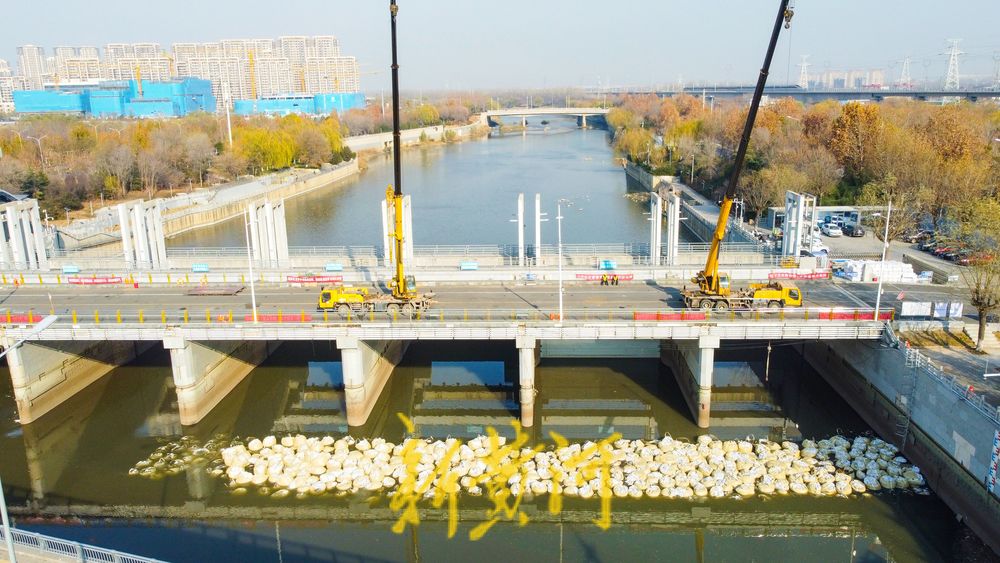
(47, 373)
(693, 363)
(367, 366)
(583, 121)
(524, 121)
(205, 372)
(527, 358)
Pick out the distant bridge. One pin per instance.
(580, 113)
(815, 95)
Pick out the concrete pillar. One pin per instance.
(407, 232)
(47, 373)
(692, 363)
(205, 372)
(387, 246)
(124, 227)
(39, 232)
(29, 237)
(655, 228)
(673, 226)
(538, 229)
(524, 121)
(705, 368)
(367, 365)
(16, 238)
(281, 234)
(527, 360)
(520, 230)
(583, 121)
(6, 263)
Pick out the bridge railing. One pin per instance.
(35, 544)
(291, 315)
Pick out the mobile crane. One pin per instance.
(713, 286)
(403, 297)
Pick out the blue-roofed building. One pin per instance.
(309, 104)
(172, 98)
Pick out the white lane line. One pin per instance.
(851, 296)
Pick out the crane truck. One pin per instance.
(714, 291)
(403, 298)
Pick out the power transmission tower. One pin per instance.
(804, 73)
(951, 82)
(905, 82)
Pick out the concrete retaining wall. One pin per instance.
(178, 223)
(949, 438)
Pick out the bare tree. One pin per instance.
(977, 228)
(198, 154)
(150, 164)
(117, 162)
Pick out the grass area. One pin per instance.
(943, 338)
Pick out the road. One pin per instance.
(500, 297)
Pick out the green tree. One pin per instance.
(977, 227)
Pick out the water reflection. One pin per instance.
(75, 460)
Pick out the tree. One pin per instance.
(906, 205)
(150, 164)
(264, 150)
(198, 154)
(117, 162)
(312, 148)
(637, 143)
(668, 117)
(978, 228)
(855, 140)
(767, 187)
(230, 165)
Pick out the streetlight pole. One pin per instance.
(41, 155)
(885, 249)
(253, 293)
(559, 218)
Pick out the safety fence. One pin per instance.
(302, 315)
(927, 367)
(47, 547)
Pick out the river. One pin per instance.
(466, 193)
(67, 474)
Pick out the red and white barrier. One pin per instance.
(101, 280)
(315, 279)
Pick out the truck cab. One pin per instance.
(330, 298)
(776, 294)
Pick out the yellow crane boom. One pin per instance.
(709, 280)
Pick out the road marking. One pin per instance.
(850, 296)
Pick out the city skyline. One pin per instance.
(553, 44)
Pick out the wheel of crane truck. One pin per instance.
(392, 309)
(344, 310)
(706, 305)
(407, 310)
(722, 306)
(773, 304)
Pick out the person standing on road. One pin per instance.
(604, 279)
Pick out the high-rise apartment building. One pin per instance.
(252, 68)
(31, 64)
(6, 88)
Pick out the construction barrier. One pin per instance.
(315, 279)
(678, 316)
(76, 280)
(279, 318)
(597, 277)
(798, 276)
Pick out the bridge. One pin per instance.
(809, 95)
(580, 113)
(214, 342)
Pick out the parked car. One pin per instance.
(831, 230)
(973, 258)
(918, 236)
(928, 244)
(942, 249)
(853, 230)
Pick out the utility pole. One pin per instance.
(951, 82)
(804, 73)
(885, 249)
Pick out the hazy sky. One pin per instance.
(463, 44)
